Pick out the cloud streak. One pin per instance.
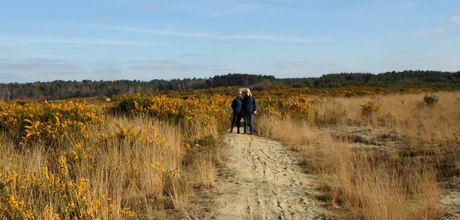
(171, 65)
(38, 65)
(455, 21)
(429, 32)
(407, 7)
(209, 35)
(75, 41)
(227, 35)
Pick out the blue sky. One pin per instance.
(157, 39)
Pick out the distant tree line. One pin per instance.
(72, 89)
(437, 79)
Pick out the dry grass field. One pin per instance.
(391, 156)
(381, 157)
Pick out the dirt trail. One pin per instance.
(263, 181)
(450, 199)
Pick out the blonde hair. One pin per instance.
(245, 90)
(248, 92)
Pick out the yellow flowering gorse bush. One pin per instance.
(369, 108)
(295, 106)
(27, 122)
(190, 113)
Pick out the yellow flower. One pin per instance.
(63, 165)
(14, 204)
(127, 211)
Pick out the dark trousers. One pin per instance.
(248, 119)
(236, 120)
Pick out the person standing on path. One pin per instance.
(237, 106)
(249, 109)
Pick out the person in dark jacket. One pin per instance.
(249, 109)
(237, 106)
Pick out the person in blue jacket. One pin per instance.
(249, 109)
(237, 106)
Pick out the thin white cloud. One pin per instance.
(160, 32)
(227, 35)
(455, 21)
(407, 7)
(75, 41)
(172, 65)
(210, 35)
(429, 32)
(33, 65)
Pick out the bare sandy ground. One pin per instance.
(450, 199)
(262, 180)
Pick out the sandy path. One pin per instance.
(262, 181)
(450, 199)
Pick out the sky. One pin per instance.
(45, 40)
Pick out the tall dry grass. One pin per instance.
(370, 186)
(387, 182)
(421, 129)
(128, 169)
(407, 113)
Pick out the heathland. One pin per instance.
(374, 152)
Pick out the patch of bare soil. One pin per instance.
(450, 199)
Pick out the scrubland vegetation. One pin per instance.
(137, 158)
(143, 155)
(381, 157)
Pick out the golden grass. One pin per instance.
(370, 187)
(206, 170)
(407, 114)
(386, 182)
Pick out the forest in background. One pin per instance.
(394, 81)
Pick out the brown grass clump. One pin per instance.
(206, 170)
